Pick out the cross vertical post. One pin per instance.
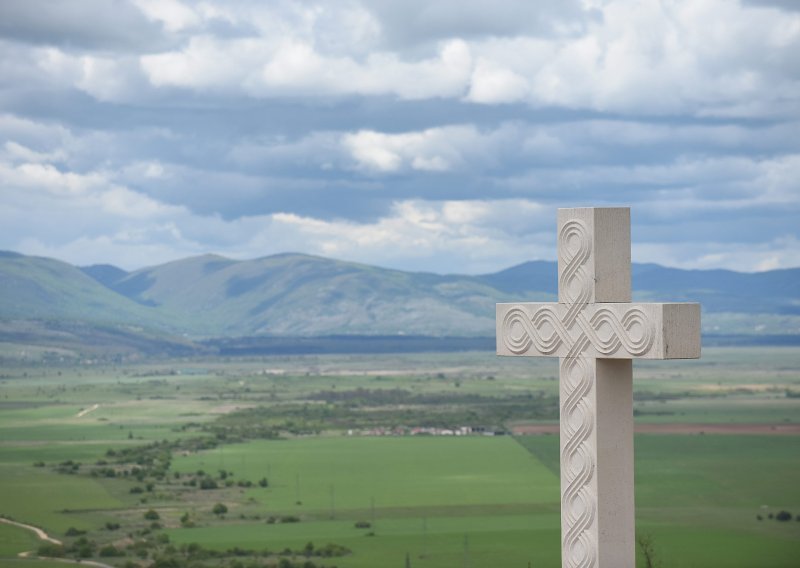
(596, 331)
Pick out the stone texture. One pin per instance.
(596, 332)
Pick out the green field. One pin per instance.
(459, 472)
(441, 501)
(14, 540)
(687, 487)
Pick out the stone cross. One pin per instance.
(596, 331)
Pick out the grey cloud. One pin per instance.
(788, 5)
(87, 24)
(408, 24)
(217, 165)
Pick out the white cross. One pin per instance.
(596, 331)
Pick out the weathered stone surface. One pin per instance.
(596, 332)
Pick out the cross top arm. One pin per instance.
(594, 316)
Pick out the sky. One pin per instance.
(421, 135)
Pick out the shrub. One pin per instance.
(152, 515)
(110, 551)
(333, 550)
(72, 531)
(219, 509)
(783, 516)
(363, 525)
(50, 549)
(167, 562)
(208, 483)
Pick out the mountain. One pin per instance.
(299, 295)
(46, 289)
(772, 292)
(294, 294)
(106, 274)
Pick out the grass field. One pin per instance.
(686, 486)
(14, 540)
(459, 471)
(442, 500)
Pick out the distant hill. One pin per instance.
(300, 295)
(772, 292)
(293, 294)
(46, 289)
(106, 274)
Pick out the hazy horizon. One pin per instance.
(377, 264)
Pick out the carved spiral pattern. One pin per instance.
(577, 460)
(578, 502)
(522, 332)
(516, 318)
(574, 249)
(576, 326)
(621, 331)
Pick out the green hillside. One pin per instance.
(47, 289)
(294, 294)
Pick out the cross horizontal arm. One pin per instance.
(600, 330)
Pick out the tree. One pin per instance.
(648, 551)
(152, 515)
(219, 509)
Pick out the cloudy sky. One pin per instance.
(417, 134)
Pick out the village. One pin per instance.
(428, 431)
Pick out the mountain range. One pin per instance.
(299, 295)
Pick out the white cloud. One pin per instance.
(464, 236)
(493, 84)
(250, 127)
(673, 57)
(173, 14)
(18, 153)
(93, 192)
(781, 252)
(106, 78)
(86, 218)
(704, 58)
(207, 62)
(268, 66)
(433, 150)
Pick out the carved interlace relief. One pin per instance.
(575, 323)
(580, 330)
